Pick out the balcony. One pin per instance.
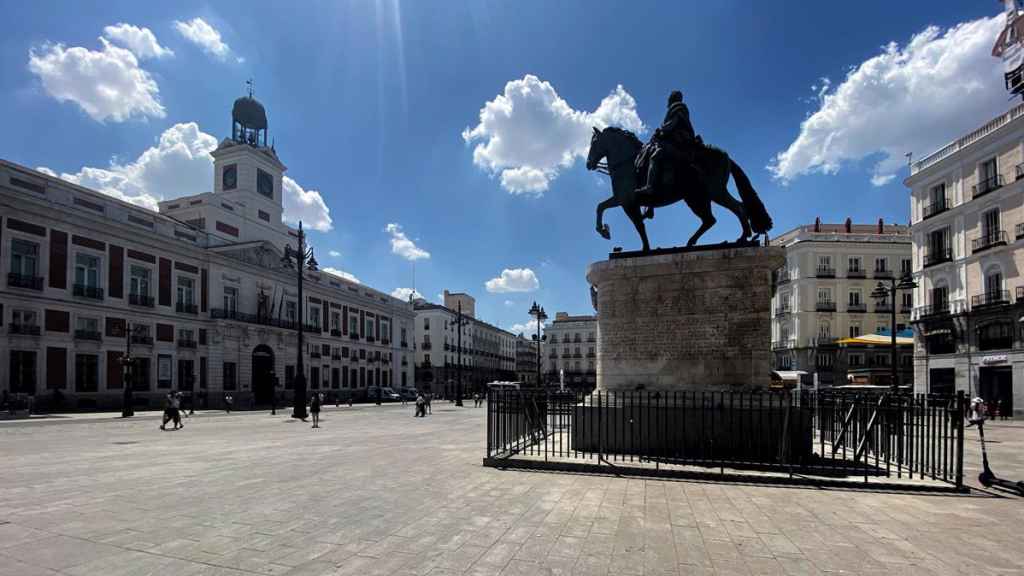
(192, 344)
(404, 344)
(371, 339)
(336, 333)
(858, 308)
(23, 329)
(140, 300)
(824, 341)
(989, 240)
(996, 298)
(883, 308)
(425, 346)
(385, 342)
(312, 328)
(263, 320)
(353, 336)
(591, 355)
(825, 306)
(553, 356)
(141, 340)
(938, 207)
(783, 310)
(883, 274)
(935, 309)
(88, 335)
(186, 308)
(933, 257)
(784, 344)
(906, 308)
(314, 354)
(987, 185)
(858, 273)
(335, 356)
(825, 272)
(15, 280)
(87, 291)
(1018, 231)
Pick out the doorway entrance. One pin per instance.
(995, 386)
(263, 374)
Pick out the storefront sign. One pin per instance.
(994, 359)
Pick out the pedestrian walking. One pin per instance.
(314, 409)
(228, 401)
(977, 412)
(428, 397)
(421, 407)
(176, 410)
(337, 399)
(168, 411)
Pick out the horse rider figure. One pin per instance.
(676, 141)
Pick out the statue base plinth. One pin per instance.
(686, 319)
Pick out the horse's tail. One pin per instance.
(760, 221)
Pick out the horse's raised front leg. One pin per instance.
(602, 228)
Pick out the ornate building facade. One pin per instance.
(571, 343)
(197, 290)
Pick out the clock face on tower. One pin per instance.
(264, 183)
(229, 180)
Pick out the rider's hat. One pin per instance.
(675, 96)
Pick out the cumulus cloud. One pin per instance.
(107, 84)
(141, 41)
(334, 254)
(202, 34)
(403, 246)
(305, 205)
(341, 274)
(513, 280)
(528, 329)
(180, 165)
(403, 294)
(913, 98)
(528, 133)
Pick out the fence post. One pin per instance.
(960, 407)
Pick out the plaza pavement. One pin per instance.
(377, 492)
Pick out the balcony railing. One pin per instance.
(404, 344)
(314, 354)
(263, 320)
(937, 207)
(312, 328)
(858, 273)
(906, 308)
(825, 272)
(23, 329)
(353, 336)
(783, 277)
(140, 300)
(186, 308)
(987, 185)
(335, 356)
(1018, 231)
(782, 310)
(823, 306)
(995, 298)
(142, 340)
(934, 309)
(385, 341)
(933, 257)
(859, 307)
(187, 344)
(15, 280)
(371, 339)
(883, 274)
(88, 335)
(87, 291)
(989, 240)
(425, 346)
(784, 344)
(883, 308)
(336, 333)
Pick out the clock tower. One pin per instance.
(247, 173)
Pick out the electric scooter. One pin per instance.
(987, 477)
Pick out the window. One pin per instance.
(824, 262)
(854, 330)
(291, 311)
(824, 295)
(938, 241)
(264, 216)
(937, 194)
(825, 360)
(186, 290)
(186, 335)
(825, 330)
(24, 257)
(426, 323)
(23, 372)
(853, 264)
(24, 318)
(856, 360)
(908, 300)
(855, 297)
(186, 374)
(87, 270)
(995, 336)
(289, 377)
(940, 297)
(140, 375)
(264, 183)
(882, 329)
(230, 299)
(353, 325)
(163, 371)
(86, 372)
(881, 264)
(314, 377)
(369, 328)
(385, 329)
(335, 321)
(994, 283)
(987, 172)
(906, 266)
(362, 355)
(344, 351)
(403, 336)
(313, 316)
(139, 281)
(86, 324)
(990, 226)
(230, 376)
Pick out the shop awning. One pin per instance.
(878, 340)
(788, 375)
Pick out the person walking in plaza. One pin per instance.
(176, 410)
(428, 397)
(228, 401)
(421, 407)
(314, 409)
(168, 411)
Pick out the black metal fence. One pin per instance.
(826, 435)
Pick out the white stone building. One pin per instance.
(528, 351)
(488, 353)
(571, 345)
(823, 294)
(198, 291)
(967, 210)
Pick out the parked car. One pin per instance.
(407, 393)
(387, 394)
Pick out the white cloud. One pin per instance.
(305, 205)
(528, 134)
(334, 254)
(403, 294)
(341, 274)
(403, 246)
(513, 280)
(528, 329)
(509, 303)
(107, 84)
(180, 165)
(200, 33)
(914, 98)
(141, 41)
(47, 171)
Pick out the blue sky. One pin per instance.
(368, 103)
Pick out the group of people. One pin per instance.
(979, 410)
(422, 405)
(173, 410)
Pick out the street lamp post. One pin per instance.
(538, 313)
(303, 260)
(881, 293)
(458, 368)
(273, 393)
(127, 364)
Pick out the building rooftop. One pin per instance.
(961, 143)
(846, 232)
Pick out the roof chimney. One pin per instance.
(817, 224)
(881, 226)
(849, 225)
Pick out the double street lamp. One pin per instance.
(459, 323)
(128, 366)
(301, 259)
(538, 313)
(883, 293)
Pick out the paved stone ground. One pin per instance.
(377, 492)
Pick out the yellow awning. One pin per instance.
(878, 340)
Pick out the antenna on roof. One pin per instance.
(252, 86)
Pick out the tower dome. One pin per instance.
(249, 121)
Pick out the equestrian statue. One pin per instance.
(674, 165)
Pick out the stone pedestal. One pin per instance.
(692, 320)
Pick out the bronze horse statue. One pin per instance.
(621, 147)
